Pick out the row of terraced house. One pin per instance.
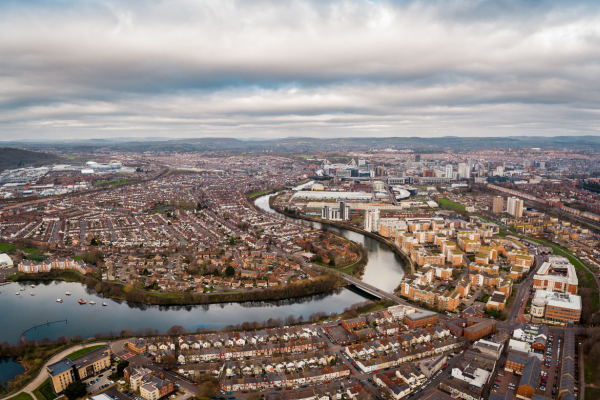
(29, 267)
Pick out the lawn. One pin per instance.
(45, 392)
(592, 393)
(23, 396)
(6, 247)
(450, 205)
(590, 371)
(255, 194)
(484, 219)
(81, 352)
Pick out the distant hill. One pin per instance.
(313, 145)
(11, 158)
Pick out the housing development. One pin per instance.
(496, 256)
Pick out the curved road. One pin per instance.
(43, 375)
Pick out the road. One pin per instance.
(43, 375)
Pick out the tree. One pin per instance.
(176, 330)
(207, 389)
(92, 257)
(229, 271)
(169, 361)
(75, 390)
(121, 366)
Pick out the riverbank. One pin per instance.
(112, 290)
(392, 246)
(37, 358)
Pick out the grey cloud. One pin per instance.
(275, 68)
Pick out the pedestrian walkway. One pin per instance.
(43, 375)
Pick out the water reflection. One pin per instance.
(87, 320)
(384, 269)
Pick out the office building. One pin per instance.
(464, 171)
(326, 195)
(556, 307)
(418, 158)
(449, 171)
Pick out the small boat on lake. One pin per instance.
(81, 301)
(59, 300)
(33, 294)
(104, 304)
(68, 293)
(92, 302)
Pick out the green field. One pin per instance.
(450, 205)
(255, 194)
(81, 352)
(45, 392)
(6, 247)
(592, 393)
(22, 396)
(590, 372)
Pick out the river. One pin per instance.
(22, 312)
(384, 269)
(9, 368)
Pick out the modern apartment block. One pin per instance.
(66, 371)
(556, 275)
(498, 205)
(150, 385)
(514, 206)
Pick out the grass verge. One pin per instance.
(44, 391)
(22, 396)
(81, 352)
(256, 194)
(450, 205)
(592, 393)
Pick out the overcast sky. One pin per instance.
(259, 68)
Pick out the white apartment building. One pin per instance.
(514, 206)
